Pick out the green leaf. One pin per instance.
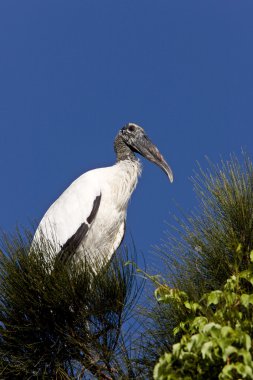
(212, 329)
(239, 248)
(195, 342)
(196, 306)
(246, 299)
(248, 343)
(214, 297)
(227, 372)
(227, 332)
(165, 294)
(229, 350)
(199, 322)
(176, 349)
(246, 356)
(207, 350)
(176, 330)
(188, 356)
(230, 298)
(247, 275)
(231, 284)
(162, 367)
(187, 304)
(244, 370)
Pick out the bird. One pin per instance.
(87, 221)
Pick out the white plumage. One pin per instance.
(88, 219)
(115, 184)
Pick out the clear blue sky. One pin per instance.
(73, 72)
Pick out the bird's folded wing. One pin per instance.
(69, 218)
(71, 245)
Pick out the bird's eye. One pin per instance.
(131, 128)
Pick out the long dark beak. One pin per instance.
(148, 150)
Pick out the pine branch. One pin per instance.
(65, 322)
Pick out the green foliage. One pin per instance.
(64, 322)
(198, 253)
(216, 335)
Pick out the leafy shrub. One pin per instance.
(216, 336)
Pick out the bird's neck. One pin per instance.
(123, 151)
(128, 170)
(127, 173)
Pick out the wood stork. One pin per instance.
(88, 219)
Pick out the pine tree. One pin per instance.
(66, 322)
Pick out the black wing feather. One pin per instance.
(69, 248)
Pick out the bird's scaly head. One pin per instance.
(135, 137)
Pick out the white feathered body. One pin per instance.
(115, 184)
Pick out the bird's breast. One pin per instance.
(121, 187)
(107, 230)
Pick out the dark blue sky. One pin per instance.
(73, 72)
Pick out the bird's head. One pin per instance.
(135, 137)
